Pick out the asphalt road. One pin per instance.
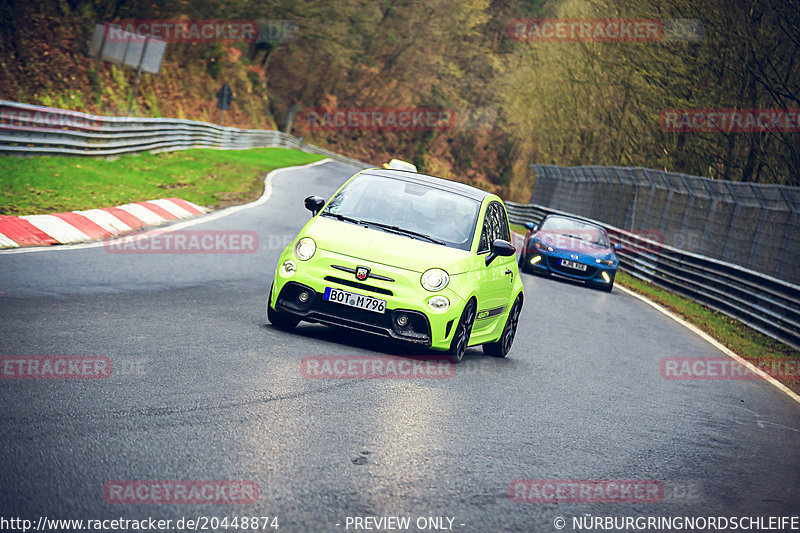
(203, 389)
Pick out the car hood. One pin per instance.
(378, 246)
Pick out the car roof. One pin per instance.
(432, 181)
(577, 219)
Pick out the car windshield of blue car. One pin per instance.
(411, 209)
(575, 229)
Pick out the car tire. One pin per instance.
(607, 288)
(280, 320)
(502, 346)
(458, 346)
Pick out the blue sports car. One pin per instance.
(570, 248)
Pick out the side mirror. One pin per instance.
(500, 248)
(314, 204)
(531, 226)
(618, 246)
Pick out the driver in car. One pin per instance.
(453, 224)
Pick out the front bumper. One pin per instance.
(551, 264)
(315, 309)
(400, 288)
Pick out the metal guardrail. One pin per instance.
(766, 304)
(35, 130)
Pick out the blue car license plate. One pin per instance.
(572, 264)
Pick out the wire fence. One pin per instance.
(752, 225)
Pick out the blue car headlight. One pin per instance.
(607, 262)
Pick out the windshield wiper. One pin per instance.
(341, 217)
(402, 231)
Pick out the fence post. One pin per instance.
(650, 198)
(687, 213)
(758, 238)
(712, 213)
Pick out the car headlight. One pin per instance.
(543, 246)
(288, 268)
(435, 279)
(607, 262)
(439, 303)
(305, 248)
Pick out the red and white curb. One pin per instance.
(92, 224)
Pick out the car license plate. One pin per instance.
(572, 264)
(352, 299)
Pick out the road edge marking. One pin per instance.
(714, 342)
(178, 225)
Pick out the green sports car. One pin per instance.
(408, 256)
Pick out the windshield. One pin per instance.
(575, 229)
(411, 209)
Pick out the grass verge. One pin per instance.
(211, 178)
(518, 228)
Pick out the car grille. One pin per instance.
(358, 285)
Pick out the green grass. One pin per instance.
(211, 178)
(518, 228)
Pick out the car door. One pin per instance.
(497, 279)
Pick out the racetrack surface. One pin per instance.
(204, 389)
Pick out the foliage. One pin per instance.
(569, 103)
